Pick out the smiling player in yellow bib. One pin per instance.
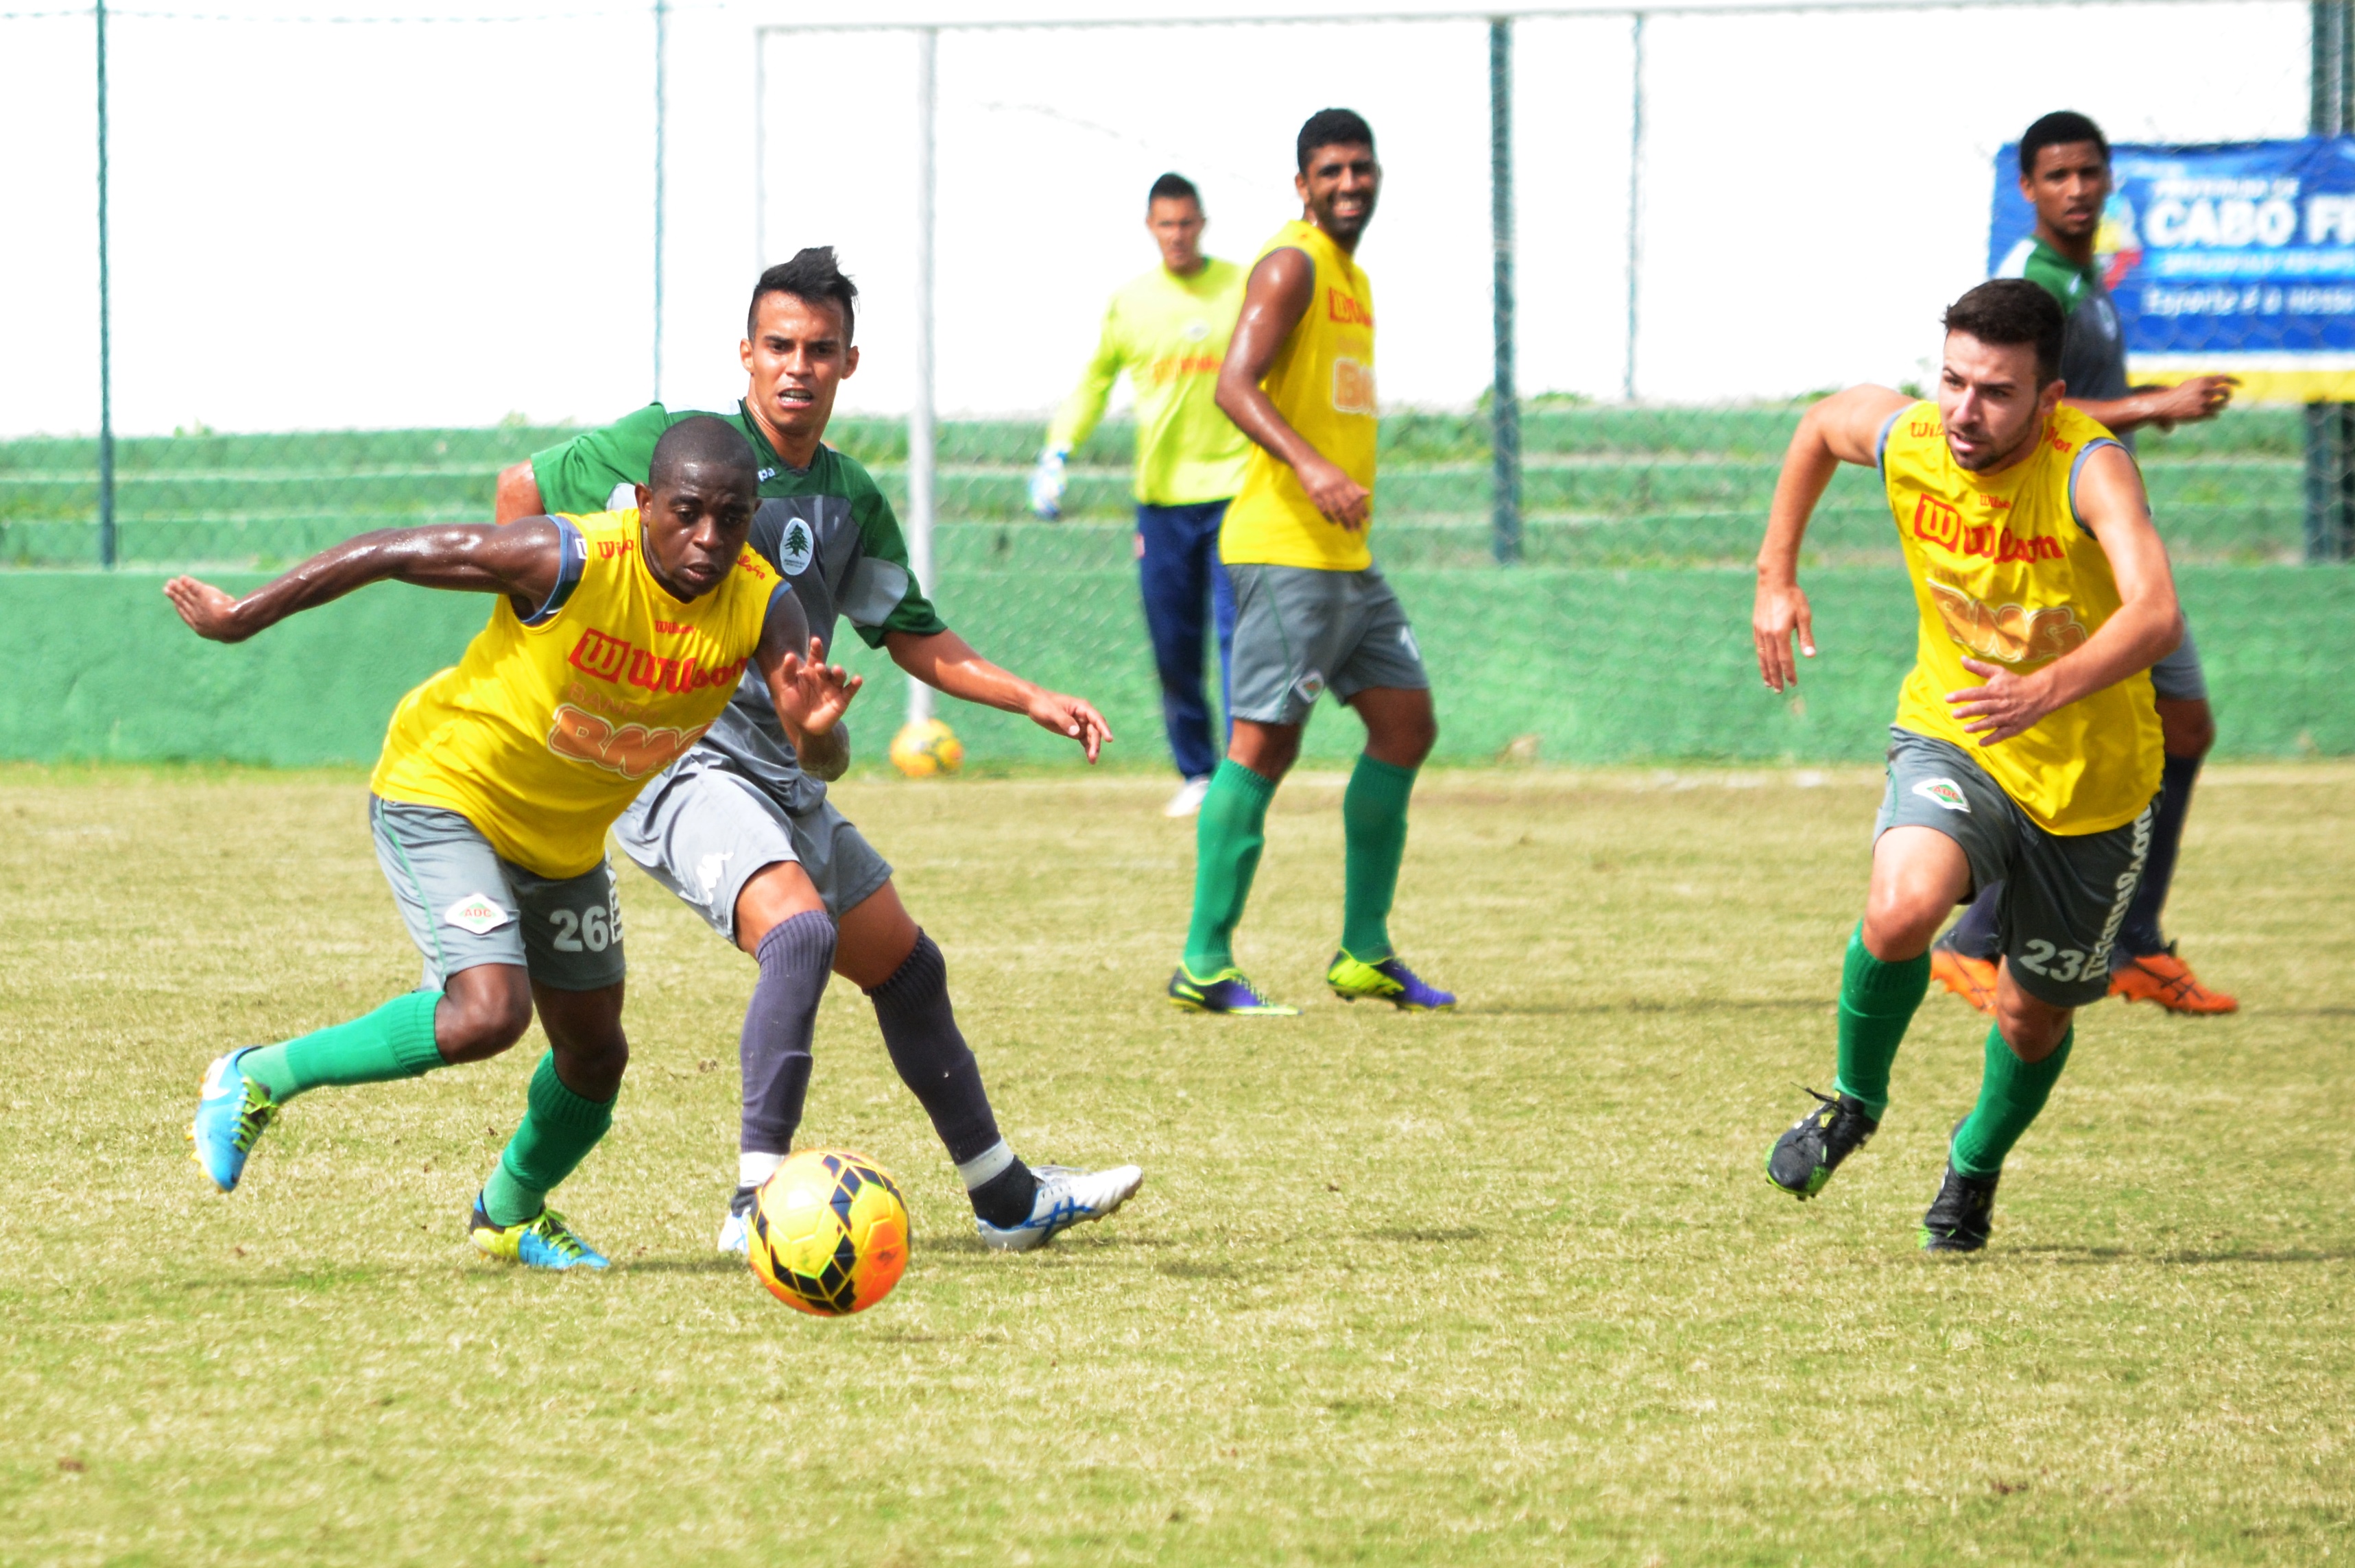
(1312, 615)
(616, 640)
(2026, 749)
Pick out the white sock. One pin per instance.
(752, 1170)
(993, 1162)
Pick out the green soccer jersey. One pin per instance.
(2094, 351)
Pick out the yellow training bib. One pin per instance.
(2004, 573)
(546, 731)
(1323, 384)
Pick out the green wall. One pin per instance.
(1600, 665)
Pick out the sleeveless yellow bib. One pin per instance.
(2004, 573)
(544, 733)
(1323, 384)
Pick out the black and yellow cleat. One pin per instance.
(1803, 1158)
(1226, 992)
(1962, 1213)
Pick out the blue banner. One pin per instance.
(2238, 256)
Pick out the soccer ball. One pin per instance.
(926, 749)
(829, 1233)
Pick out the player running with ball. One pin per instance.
(742, 829)
(616, 640)
(2027, 748)
(1311, 612)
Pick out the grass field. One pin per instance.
(1505, 1287)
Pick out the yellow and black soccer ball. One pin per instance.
(927, 749)
(829, 1233)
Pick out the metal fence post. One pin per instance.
(1635, 199)
(1504, 415)
(106, 551)
(2329, 521)
(919, 418)
(662, 72)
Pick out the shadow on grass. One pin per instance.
(1423, 1235)
(2132, 1255)
(1645, 1005)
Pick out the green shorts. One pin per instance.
(465, 907)
(2064, 896)
(1300, 632)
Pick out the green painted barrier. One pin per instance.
(1598, 665)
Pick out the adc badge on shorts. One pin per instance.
(478, 914)
(1944, 792)
(1310, 686)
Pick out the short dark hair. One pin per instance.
(2058, 129)
(1173, 188)
(1333, 128)
(814, 277)
(701, 439)
(2009, 310)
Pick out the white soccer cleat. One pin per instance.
(1067, 1197)
(1189, 798)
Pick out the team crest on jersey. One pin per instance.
(478, 914)
(794, 551)
(1944, 792)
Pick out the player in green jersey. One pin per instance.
(740, 829)
(1167, 331)
(2064, 172)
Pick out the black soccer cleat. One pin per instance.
(1962, 1214)
(1803, 1158)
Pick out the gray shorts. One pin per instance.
(2063, 897)
(1300, 632)
(2178, 678)
(703, 830)
(464, 905)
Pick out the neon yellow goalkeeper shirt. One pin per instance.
(1169, 334)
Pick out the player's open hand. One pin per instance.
(1342, 500)
(1073, 716)
(819, 692)
(209, 613)
(2005, 704)
(1781, 612)
(2193, 398)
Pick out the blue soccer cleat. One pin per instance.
(1226, 992)
(544, 1241)
(1388, 981)
(1067, 1197)
(232, 1112)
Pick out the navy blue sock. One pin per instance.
(2138, 938)
(1975, 936)
(796, 958)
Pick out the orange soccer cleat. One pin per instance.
(1971, 979)
(2167, 980)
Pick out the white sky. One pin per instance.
(321, 225)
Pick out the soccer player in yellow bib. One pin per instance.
(1168, 330)
(1312, 614)
(2026, 749)
(616, 640)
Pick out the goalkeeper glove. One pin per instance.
(1047, 482)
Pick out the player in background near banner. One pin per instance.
(2064, 171)
(616, 640)
(1311, 612)
(1168, 330)
(2026, 750)
(743, 833)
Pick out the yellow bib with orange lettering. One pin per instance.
(2005, 573)
(1323, 384)
(548, 728)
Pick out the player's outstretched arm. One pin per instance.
(521, 562)
(1274, 299)
(808, 693)
(946, 663)
(1843, 428)
(2186, 402)
(2148, 626)
(517, 495)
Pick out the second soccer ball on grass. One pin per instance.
(927, 749)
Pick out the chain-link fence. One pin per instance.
(1694, 247)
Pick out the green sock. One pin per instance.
(1876, 1003)
(2011, 1093)
(396, 1041)
(559, 1127)
(1373, 822)
(1227, 838)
